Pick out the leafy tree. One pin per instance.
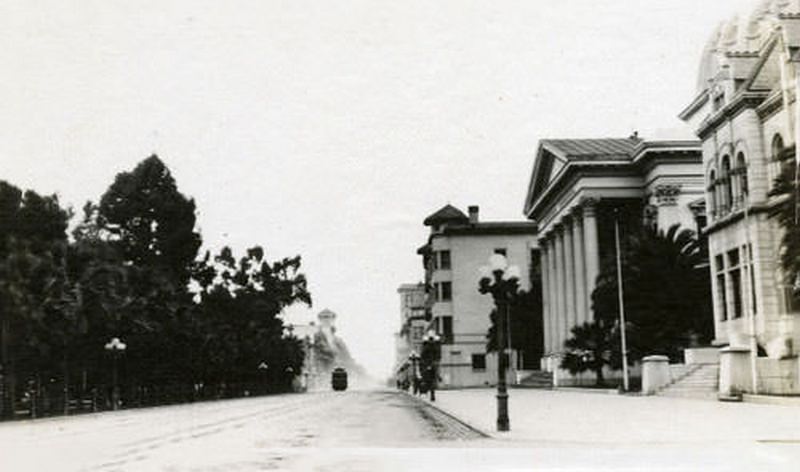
(150, 220)
(32, 232)
(667, 292)
(239, 309)
(126, 274)
(525, 325)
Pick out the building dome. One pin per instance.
(742, 35)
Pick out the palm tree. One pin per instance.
(667, 292)
(593, 346)
(786, 211)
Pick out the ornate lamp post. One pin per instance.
(414, 358)
(116, 348)
(502, 282)
(431, 353)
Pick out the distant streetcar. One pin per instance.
(339, 379)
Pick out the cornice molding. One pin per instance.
(742, 101)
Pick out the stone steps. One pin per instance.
(694, 381)
(537, 379)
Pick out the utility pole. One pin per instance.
(625, 381)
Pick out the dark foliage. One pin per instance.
(667, 293)
(525, 325)
(126, 273)
(592, 347)
(787, 212)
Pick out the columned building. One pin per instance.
(746, 114)
(578, 189)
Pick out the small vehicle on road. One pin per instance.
(339, 379)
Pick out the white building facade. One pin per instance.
(746, 114)
(577, 189)
(457, 247)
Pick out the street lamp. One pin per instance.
(502, 282)
(414, 358)
(116, 348)
(263, 370)
(431, 354)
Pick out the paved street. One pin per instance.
(293, 432)
(386, 430)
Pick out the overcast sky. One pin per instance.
(331, 129)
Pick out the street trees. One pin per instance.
(32, 237)
(127, 273)
(238, 308)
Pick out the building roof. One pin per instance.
(558, 160)
(592, 149)
(491, 228)
(446, 213)
(411, 287)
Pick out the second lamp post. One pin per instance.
(431, 354)
(115, 347)
(502, 282)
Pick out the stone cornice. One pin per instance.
(742, 101)
(736, 216)
(700, 100)
(569, 176)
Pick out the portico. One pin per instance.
(577, 189)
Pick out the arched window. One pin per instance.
(741, 172)
(726, 199)
(712, 197)
(775, 159)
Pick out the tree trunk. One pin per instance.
(9, 376)
(600, 380)
(66, 383)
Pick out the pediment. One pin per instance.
(545, 170)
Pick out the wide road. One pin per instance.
(354, 430)
(384, 430)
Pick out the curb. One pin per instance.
(596, 391)
(770, 400)
(450, 415)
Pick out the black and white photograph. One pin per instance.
(422, 235)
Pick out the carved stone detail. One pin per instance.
(667, 194)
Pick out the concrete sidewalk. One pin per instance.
(581, 418)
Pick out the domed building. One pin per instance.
(746, 114)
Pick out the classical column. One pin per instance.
(546, 301)
(580, 268)
(591, 251)
(569, 276)
(561, 289)
(554, 298)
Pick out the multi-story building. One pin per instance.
(413, 322)
(746, 114)
(578, 189)
(457, 247)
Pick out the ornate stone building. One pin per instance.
(746, 114)
(577, 189)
